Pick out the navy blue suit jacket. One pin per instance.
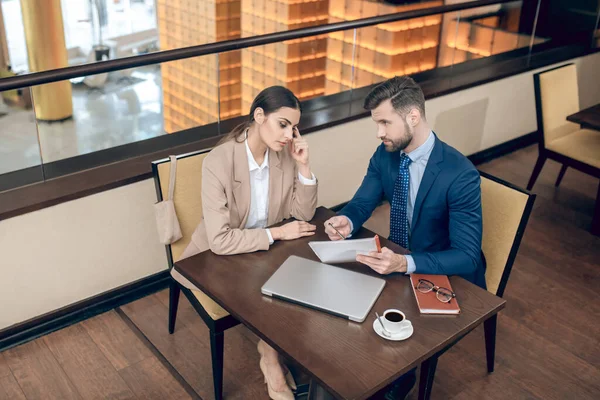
(446, 224)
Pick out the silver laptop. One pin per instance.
(335, 290)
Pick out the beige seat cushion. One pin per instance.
(215, 311)
(582, 145)
(560, 98)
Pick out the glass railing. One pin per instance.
(104, 115)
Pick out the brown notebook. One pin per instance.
(428, 302)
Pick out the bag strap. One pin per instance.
(172, 178)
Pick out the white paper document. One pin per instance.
(341, 251)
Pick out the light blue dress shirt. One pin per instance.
(419, 158)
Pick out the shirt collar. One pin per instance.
(423, 152)
(252, 164)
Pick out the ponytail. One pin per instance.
(235, 133)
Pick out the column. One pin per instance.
(46, 49)
(4, 60)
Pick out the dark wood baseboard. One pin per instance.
(502, 149)
(71, 314)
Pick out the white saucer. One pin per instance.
(405, 334)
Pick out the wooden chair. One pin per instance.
(506, 209)
(188, 204)
(556, 97)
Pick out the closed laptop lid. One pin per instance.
(332, 289)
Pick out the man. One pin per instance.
(434, 193)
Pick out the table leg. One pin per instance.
(596, 218)
(426, 379)
(489, 328)
(317, 392)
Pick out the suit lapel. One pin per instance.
(275, 186)
(241, 181)
(431, 172)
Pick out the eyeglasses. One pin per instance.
(444, 295)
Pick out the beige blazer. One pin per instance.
(226, 202)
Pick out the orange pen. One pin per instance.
(378, 243)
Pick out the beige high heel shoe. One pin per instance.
(288, 375)
(290, 379)
(285, 394)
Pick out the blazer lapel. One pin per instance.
(275, 186)
(241, 182)
(431, 172)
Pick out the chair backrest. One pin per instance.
(187, 196)
(556, 97)
(506, 210)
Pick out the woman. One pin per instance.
(257, 176)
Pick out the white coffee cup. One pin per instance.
(395, 321)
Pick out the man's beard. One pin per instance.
(402, 143)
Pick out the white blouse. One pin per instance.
(259, 191)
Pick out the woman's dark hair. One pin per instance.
(270, 100)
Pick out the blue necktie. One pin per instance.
(398, 215)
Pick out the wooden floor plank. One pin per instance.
(463, 375)
(183, 350)
(85, 365)
(38, 373)
(116, 340)
(571, 326)
(150, 380)
(552, 370)
(10, 389)
(4, 369)
(242, 376)
(577, 190)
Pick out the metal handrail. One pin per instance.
(60, 74)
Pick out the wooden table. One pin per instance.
(348, 359)
(588, 118)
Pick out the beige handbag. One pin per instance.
(166, 219)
